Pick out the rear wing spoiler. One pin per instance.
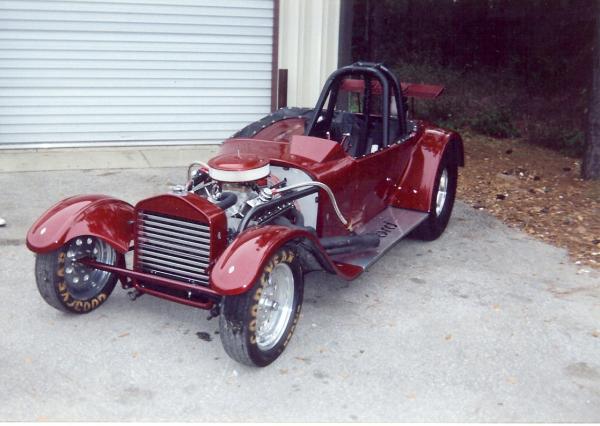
(410, 90)
(423, 91)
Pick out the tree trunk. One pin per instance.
(591, 158)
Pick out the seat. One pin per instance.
(348, 129)
(376, 133)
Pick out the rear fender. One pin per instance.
(415, 189)
(242, 262)
(98, 215)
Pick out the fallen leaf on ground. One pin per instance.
(564, 212)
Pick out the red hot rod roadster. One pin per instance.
(330, 188)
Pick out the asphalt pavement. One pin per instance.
(484, 324)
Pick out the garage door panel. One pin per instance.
(150, 27)
(143, 83)
(133, 65)
(66, 54)
(233, 4)
(166, 74)
(27, 112)
(142, 101)
(163, 125)
(66, 120)
(242, 8)
(134, 137)
(128, 91)
(130, 36)
(118, 46)
(139, 71)
(68, 16)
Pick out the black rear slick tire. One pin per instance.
(435, 224)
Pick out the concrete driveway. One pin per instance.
(484, 324)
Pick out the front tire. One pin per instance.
(442, 202)
(256, 326)
(70, 286)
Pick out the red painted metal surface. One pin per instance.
(362, 187)
(372, 181)
(401, 175)
(97, 215)
(305, 156)
(282, 130)
(315, 149)
(415, 187)
(268, 149)
(242, 262)
(424, 91)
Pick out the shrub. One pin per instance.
(560, 137)
(495, 122)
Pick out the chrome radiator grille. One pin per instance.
(173, 248)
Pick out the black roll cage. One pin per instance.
(367, 70)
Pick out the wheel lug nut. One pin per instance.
(78, 241)
(89, 241)
(69, 270)
(76, 280)
(86, 277)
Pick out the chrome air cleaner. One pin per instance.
(238, 168)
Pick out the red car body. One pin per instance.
(399, 174)
(409, 187)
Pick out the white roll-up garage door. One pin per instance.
(106, 72)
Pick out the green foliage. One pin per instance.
(551, 135)
(470, 99)
(496, 123)
(573, 142)
(507, 72)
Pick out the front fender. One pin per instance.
(415, 189)
(240, 265)
(97, 215)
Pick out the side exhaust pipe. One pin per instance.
(349, 243)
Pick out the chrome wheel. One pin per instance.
(275, 307)
(256, 326)
(442, 192)
(84, 282)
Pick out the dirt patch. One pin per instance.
(536, 190)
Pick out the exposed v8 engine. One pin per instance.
(240, 183)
